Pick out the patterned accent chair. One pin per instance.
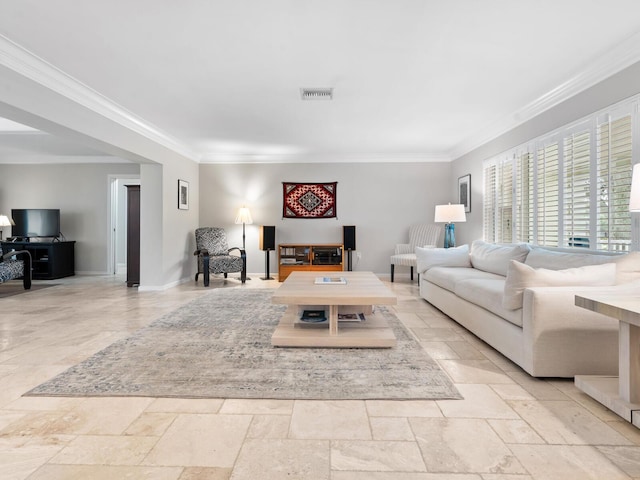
(11, 268)
(419, 236)
(214, 254)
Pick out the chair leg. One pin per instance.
(26, 279)
(412, 274)
(418, 279)
(392, 266)
(243, 273)
(205, 268)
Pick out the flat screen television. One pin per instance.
(35, 222)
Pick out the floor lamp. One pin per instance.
(244, 217)
(448, 214)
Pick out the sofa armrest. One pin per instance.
(561, 337)
(554, 308)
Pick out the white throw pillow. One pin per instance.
(627, 267)
(494, 258)
(427, 258)
(521, 276)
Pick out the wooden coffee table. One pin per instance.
(361, 293)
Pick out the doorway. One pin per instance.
(117, 238)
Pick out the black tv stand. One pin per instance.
(50, 260)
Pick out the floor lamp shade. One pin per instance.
(267, 237)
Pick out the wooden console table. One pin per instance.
(307, 257)
(620, 394)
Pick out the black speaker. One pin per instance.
(349, 237)
(267, 237)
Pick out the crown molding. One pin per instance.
(59, 159)
(620, 57)
(23, 62)
(237, 158)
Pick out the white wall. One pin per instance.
(81, 193)
(612, 90)
(178, 225)
(380, 199)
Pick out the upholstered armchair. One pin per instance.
(214, 255)
(419, 236)
(15, 264)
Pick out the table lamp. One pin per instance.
(4, 222)
(449, 214)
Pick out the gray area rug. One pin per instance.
(219, 346)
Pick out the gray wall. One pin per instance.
(608, 92)
(380, 199)
(81, 193)
(177, 226)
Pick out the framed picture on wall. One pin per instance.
(464, 192)
(183, 195)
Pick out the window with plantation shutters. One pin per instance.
(614, 183)
(489, 207)
(576, 192)
(547, 193)
(505, 203)
(524, 189)
(567, 189)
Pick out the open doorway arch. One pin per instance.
(116, 243)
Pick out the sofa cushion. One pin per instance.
(447, 277)
(488, 293)
(521, 276)
(627, 264)
(10, 269)
(428, 258)
(494, 258)
(552, 260)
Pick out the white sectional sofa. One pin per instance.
(520, 300)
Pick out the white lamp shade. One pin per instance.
(634, 197)
(4, 221)
(450, 213)
(244, 216)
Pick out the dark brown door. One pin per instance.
(133, 235)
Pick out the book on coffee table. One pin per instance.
(313, 316)
(330, 281)
(351, 317)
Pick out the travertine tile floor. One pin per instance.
(509, 425)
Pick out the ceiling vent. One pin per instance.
(316, 93)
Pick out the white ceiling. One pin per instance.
(414, 80)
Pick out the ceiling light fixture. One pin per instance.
(316, 93)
